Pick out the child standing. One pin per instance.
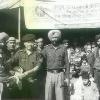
(85, 88)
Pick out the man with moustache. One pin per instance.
(56, 57)
(11, 46)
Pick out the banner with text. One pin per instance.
(47, 14)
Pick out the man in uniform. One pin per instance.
(12, 91)
(28, 61)
(3, 73)
(56, 58)
(11, 46)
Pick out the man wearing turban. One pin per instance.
(56, 58)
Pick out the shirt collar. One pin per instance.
(53, 47)
(27, 52)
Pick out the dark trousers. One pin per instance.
(97, 78)
(31, 90)
(10, 92)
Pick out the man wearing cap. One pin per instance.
(28, 61)
(3, 73)
(55, 55)
(11, 50)
(11, 46)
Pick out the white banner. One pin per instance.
(47, 14)
(9, 4)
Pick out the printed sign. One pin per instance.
(44, 14)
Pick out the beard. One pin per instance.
(55, 43)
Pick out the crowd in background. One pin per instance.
(84, 70)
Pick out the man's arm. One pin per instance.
(67, 64)
(33, 70)
(27, 73)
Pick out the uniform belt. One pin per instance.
(55, 71)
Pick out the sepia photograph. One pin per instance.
(49, 49)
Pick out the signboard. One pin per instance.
(47, 14)
(9, 4)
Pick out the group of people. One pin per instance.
(72, 73)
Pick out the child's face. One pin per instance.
(84, 62)
(85, 81)
(89, 48)
(77, 50)
(71, 49)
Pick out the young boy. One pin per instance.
(85, 88)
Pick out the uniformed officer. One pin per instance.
(11, 45)
(55, 55)
(3, 74)
(11, 50)
(28, 61)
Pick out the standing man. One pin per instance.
(40, 44)
(11, 46)
(66, 44)
(93, 45)
(90, 58)
(42, 71)
(28, 61)
(3, 72)
(11, 50)
(56, 58)
(97, 63)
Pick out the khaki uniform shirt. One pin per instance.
(23, 60)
